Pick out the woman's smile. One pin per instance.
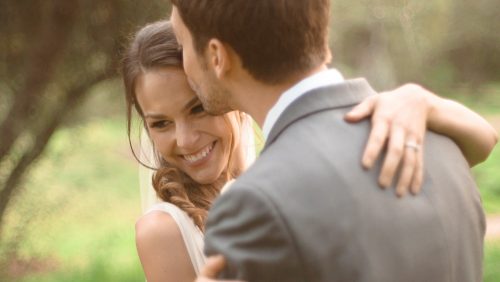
(201, 156)
(186, 136)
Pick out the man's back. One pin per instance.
(307, 211)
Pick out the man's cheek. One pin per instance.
(193, 85)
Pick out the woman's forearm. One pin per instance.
(472, 133)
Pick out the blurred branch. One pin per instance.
(77, 44)
(41, 64)
(73, 98)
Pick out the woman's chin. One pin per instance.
(206, 179)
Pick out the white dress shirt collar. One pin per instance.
(317, 80)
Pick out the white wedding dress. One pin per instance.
(191, 234)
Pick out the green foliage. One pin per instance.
(74, 218)
(491, 269)
(488, 180)
(484, 99)
(79, 208)
(53, 55)
(83, 201)
(102, 269)
(437, 43)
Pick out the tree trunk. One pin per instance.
(41, 64)
(73, 99)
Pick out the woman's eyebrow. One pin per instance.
(154, 116)
(188, 105)
(191, 103)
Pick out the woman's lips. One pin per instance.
(200, 156)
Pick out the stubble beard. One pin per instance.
(213, 96)
(215, 100)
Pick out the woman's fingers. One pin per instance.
(408, 170)
(362, 110)
(397, 116)
(376, 141)
(214, 265)
(418, 177)
(393, 157)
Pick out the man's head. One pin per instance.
(274, 40)
(199, 70)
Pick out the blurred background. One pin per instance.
(69, 193)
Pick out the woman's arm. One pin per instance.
(472, 133)
(211, 270)
(399, 120)
(162, 250)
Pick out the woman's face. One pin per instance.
(184, 134)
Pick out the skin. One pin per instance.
(391, 128)
(214, 265)
(180, 128)
(230, 84)
(161, 249)
(472, 133)
(476, 145)
(202, 81)
(441, 115)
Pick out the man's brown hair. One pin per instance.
(275, 39)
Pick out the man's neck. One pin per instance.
(256, 98)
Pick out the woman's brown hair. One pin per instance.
(154, 47)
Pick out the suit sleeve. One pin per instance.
(245, 227)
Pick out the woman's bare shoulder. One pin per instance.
(162, 249)
(157, 224)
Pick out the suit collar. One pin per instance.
(323, 78)
(340, 95)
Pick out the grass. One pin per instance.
(491, 269)
(487, 176)
(74, 220)
(101, 269)
(486, 100)
(76, 214)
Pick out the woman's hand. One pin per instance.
(398, 121)
(210, 271)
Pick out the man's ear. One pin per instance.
(218, 57)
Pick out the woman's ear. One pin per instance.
(218, 58)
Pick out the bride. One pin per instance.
(192, 155)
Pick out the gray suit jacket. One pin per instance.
(307, 211)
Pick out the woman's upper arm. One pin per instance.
(161, 249)
(473, 134)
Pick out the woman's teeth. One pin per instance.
(203, 153)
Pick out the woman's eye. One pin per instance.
(159, 124)
(197, 109)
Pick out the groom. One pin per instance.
(306, 210)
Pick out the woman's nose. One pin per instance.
(186, 136)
